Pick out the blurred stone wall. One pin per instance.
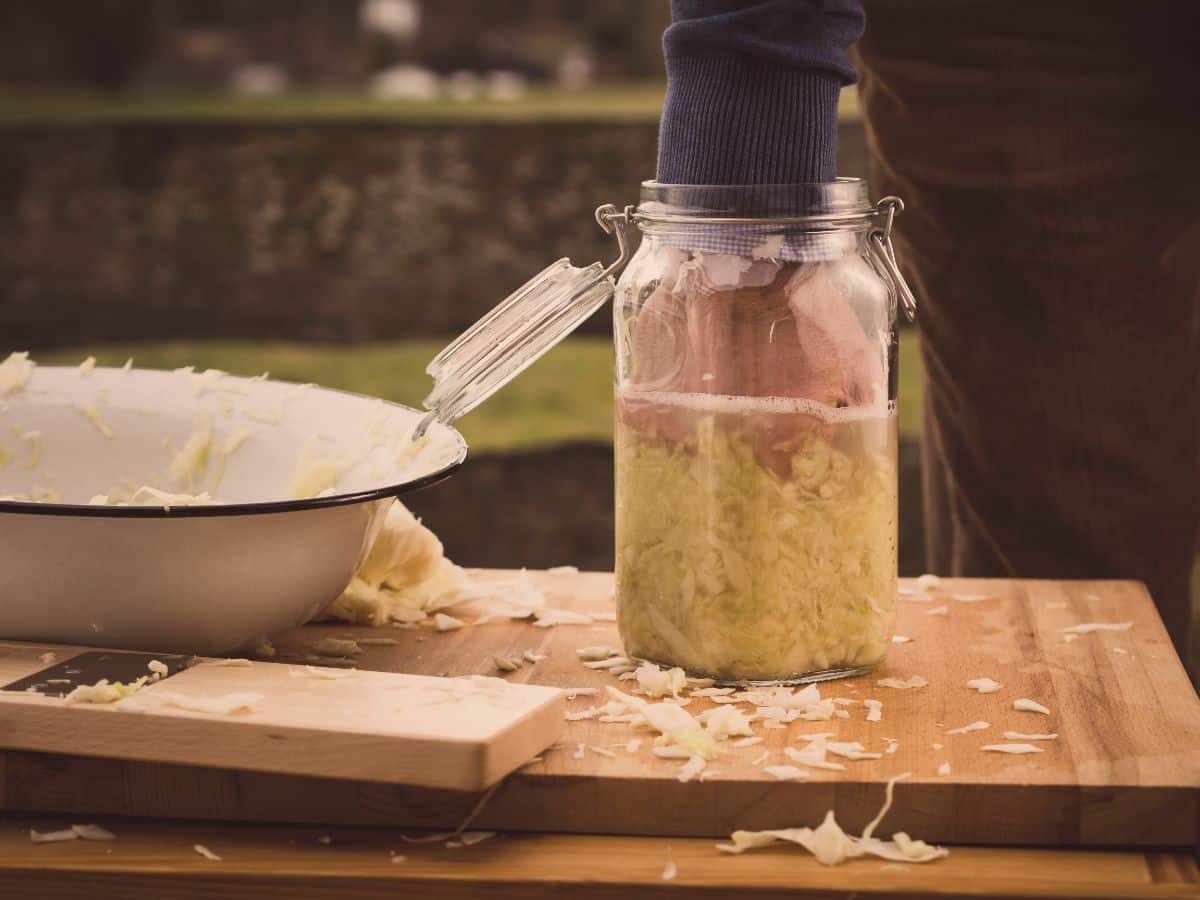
(336, 231)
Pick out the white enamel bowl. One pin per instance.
(197, 579)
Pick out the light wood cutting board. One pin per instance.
(464, 734)
(1124, 770)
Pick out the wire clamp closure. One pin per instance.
(881, 242)
(616, 221)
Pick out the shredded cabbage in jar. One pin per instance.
(756, 538)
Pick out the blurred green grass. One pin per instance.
(566, 396)
(637, 101)
(628, 102)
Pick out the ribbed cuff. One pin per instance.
(728, 120)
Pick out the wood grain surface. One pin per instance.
(156, 859)
(305, 720)
(1125, 769)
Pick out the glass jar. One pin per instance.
(755, 446)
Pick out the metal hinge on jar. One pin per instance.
(881, 242)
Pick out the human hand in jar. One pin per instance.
(730, 325)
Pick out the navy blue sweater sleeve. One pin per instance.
(752, 90)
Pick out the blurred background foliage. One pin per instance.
(268, 47)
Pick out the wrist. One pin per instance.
(732, 120)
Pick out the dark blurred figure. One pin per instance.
(1048, 158)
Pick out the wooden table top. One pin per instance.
(1124, 771)
(152, 857)
(156, 859)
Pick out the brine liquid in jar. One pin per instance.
(756, 537)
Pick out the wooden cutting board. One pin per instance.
(463, 734)
(1124, 770)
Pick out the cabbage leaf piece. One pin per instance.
(831, 846)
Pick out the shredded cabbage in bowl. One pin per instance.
(755, 543)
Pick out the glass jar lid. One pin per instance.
(522, 328)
